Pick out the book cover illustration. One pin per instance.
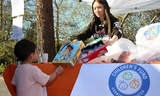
(68, 54)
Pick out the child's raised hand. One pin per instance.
(59, 70)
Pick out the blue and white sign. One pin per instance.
(129, 80)
(17, 28)
(117, 80)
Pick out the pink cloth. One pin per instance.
(29, 80)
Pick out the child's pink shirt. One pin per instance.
(29, 80)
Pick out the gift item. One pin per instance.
(101, 50)
(147, 42)
(92, 45)
(93, 50)
(68, 54)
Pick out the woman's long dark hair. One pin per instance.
(108, 15)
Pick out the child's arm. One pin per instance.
(58, 71)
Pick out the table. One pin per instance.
(62, 86)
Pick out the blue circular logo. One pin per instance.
(129, 80)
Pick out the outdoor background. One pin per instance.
(50, 23)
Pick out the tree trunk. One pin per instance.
(57, 30)
(57, 5)
(45, 31)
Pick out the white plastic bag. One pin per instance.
(147, 41)
(122, 51)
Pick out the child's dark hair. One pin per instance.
(23, 49)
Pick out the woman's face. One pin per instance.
(98, 10)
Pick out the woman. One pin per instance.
(103, 24)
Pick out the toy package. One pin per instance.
(86, 57)
(92, 45)
(68, 54)
(92, 50)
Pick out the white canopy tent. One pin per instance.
(127, 6)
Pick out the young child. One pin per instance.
(28, 79)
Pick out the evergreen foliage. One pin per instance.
(73, 18)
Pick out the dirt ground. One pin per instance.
(3, 88)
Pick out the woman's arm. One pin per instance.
(88, 32)
(115, 34)
(116, 30)
(110, 41)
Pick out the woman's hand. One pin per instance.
(108, 42)
(75, 40)
(67, 41)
